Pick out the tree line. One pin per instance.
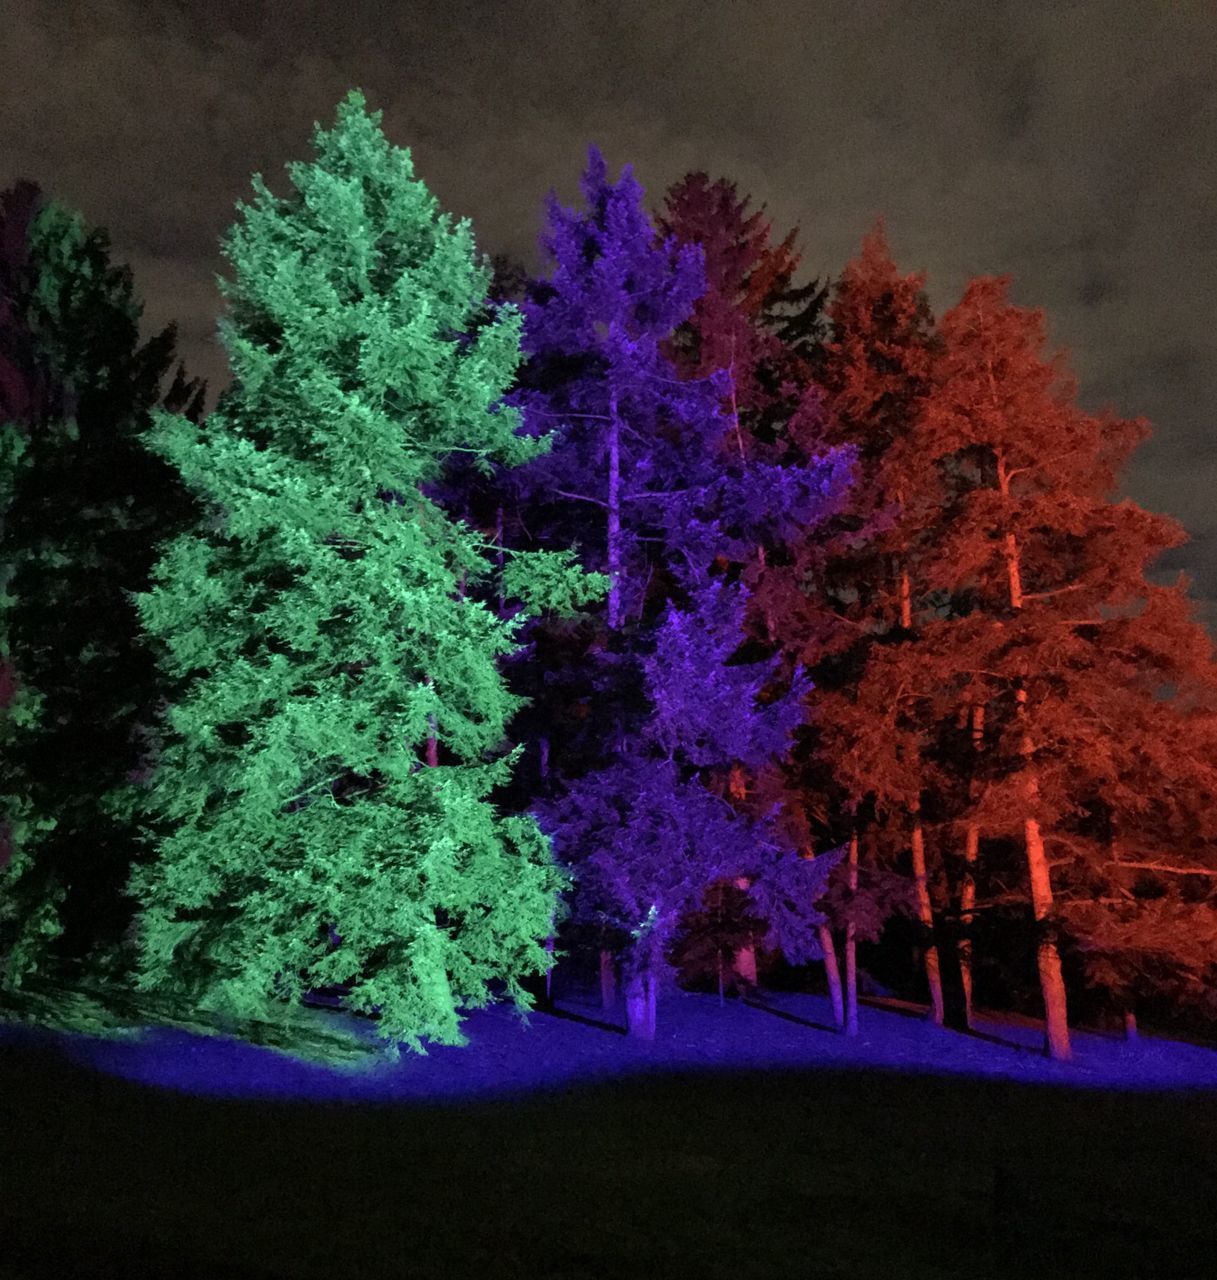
(657, 606)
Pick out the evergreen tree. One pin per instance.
(321, 799)
(639, 474)
(82, 510)
(1100, 686)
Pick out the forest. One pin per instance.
(663, 621)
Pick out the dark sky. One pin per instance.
(1072, 145)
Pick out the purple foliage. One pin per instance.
(638, 476)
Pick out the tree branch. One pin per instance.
(1164, 867)
(580, 497)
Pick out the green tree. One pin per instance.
(321, 803)
(82, 507)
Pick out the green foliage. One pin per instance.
(82, 505)
(320, 627)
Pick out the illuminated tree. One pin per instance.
(1098, 685)
(82, 508)
(640, 477)
(841, 603)
(325, 628)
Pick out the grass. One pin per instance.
(836, 1171)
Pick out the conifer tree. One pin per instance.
(842, 601)
(1099, 684)
(733, 330)
(321, 799)
(83, 508)
(643, 450)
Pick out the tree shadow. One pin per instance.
(790, 1017)
(568, 1015)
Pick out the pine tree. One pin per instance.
(321, 800)
(1099, 685)
(642, 451)
(84, 506)
(842, 601)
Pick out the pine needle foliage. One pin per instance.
(322, 628)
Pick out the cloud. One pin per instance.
(1073, 145)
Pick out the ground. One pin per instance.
(748, 1141)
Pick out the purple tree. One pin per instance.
(639, 481)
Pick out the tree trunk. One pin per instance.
(1130, 1025)
(967, 904)
(967, 892)
(640, 1006)
(745, 958)
(925, 914)
(851, 945)
(498, 537)
(614, 517)
(608, 980)
(906, 601)
(833, 974)
(432, 747)
(1048, 958)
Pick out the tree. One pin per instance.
(321, 629)
(731, 331)
(842, 601)
(83, 508)
(1098, 684)
(643, 450)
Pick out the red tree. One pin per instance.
(1090, 676)
(844, 602)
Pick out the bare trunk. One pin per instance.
(498, 537)
(906, 601)
(967, 892)
(851, 945)
(640, 1006)
(967, 905)
(608, 980)
(925, 914)
(1048, 957)
(745, 958)
(833, 974)
(432, 749)
(1130, 1025)
(614, 518)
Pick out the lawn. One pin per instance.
(746, 1142)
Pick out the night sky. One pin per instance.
(1072, 145)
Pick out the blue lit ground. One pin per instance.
(744, 1142)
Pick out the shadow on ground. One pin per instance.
(800, 1174)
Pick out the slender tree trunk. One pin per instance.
(1048, 957)
(1130, 1025)
(851, 944)
(744, 960)
(967, 905)
(498, 537)
(608, 985)
(967, 892)
(432, 756)
(925, 914)
(608, 980)
(543, 745)
(745, 957)
(906, 600)
(833, 973)
(640, 1006)
(614, 517)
